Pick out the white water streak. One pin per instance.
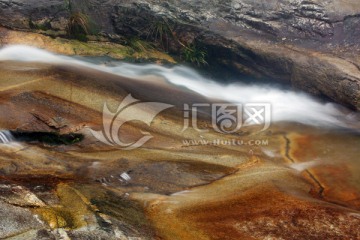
(5, 137)
(286, 105)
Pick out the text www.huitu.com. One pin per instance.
(222, 142)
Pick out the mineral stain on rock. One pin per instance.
(170, 191)
(57, 181)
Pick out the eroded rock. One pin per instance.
(170, 190)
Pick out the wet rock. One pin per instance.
(165, 189)
(19, 196)
(16, 220)
(44, 235)
(352, 28)
(265, 40)
(161, 177)
(97, 47)
(329, 171)
(251, 209)
(27, 12)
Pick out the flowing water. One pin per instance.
(308, 167)
(286, 105)
(6, 137)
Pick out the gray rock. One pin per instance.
(16, 220)
(17, 14)
(19, 196)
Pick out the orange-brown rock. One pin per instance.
(170, 190)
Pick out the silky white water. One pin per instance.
(5, 137)
(286, 105)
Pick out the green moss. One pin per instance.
(40, 26)
(161, 33)
(138, 45)
(54, 41)
(194, 54)
(127, 211)
(78, 26)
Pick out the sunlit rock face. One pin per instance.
(302, 182)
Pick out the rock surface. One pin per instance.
(166, 189)
(303, 184)
(74, 47)
(312, 45)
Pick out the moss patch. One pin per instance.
(96, 46)
(72, 212)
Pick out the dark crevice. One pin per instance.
(287, 149)
(287, 155)
(47, 137)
